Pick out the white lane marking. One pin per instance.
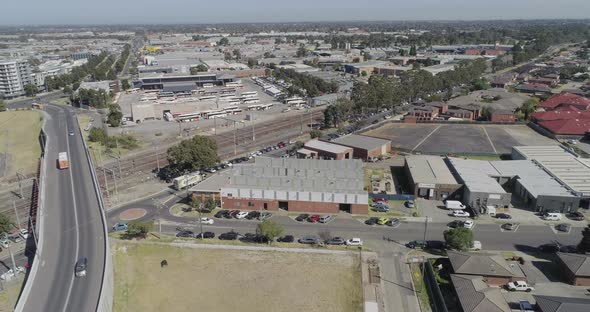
(489, 140)
(75, 214)
(426, 138)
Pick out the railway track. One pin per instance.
(145, 162)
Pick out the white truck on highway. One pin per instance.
(454, 205)
(62, 160)
(188, 180)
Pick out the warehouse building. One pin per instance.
(180, 83)
(301, 185)
(364, 147)
(324, 150)
(489, 183)
(430, 178)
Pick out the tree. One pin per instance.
(125, 84)
(459, 238)
(31, 89)
(364, 73)
(584, 245)
(115, 116)
(5, 224)
(252, 62)
(199, 68)
(528, 107)
(2, 106)
(223, 42)
(196, 153)
(210, 204)
(315, 133)
(68, 90)
(413, 50)
(481, 84)
(301, 51)
(98, 135)
(139, 228)
(237, 54)
(269, 229)
(486, 113)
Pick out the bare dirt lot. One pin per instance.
(459, 138)
(233, 280)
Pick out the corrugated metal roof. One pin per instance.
(361, 141)
(429, 169)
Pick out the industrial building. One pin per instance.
(180, 83)
(324, 150)
(364, 147)
(301, 185)
(430, 178)
(489, 183)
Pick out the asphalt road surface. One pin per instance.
(526, 238)
(72, 228)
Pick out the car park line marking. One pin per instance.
(431, 133)
(489, 140)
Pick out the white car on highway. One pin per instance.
(460, 213)
(241, 215)
(206, 221)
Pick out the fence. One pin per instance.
(393, 196)
(436, 297)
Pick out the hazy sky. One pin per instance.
(37, 12)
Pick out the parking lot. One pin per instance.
(458, 138)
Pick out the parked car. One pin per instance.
(409, 203)
(476, 246)
(206, 220)
(120, 226)
(371, 221)
(309, 239)
(563, 227)
(253, 215)
(4, 242)
(336, 241)
(468, 224)
(313, 218)
(503, 216)
(264, 216)
(302, 217)
(435, 244)
(254, 238)
(519, 286)
(234, 213)
(24, 233)
(576, 216)
(460, 214)
(525, 306)
(205, 235)
(241, 214)
(325, 219)
(8, 275)
(569, 249)
(286, 239)
(509, 226)
(381, 209)
(382, 220)
(220, 214)
(185, 234)
(231, 235)
(417, 244)
(552, 216)
(455, 224)
(355, 241)
(393, 222)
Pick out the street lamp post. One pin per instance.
(5, 236)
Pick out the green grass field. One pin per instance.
(19, 138)
(233, 280)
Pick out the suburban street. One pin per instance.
(72, 225)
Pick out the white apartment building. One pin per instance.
(14, 76)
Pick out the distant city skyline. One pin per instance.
(64, 12)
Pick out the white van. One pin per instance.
(552, 216)
(476, 246)
(454, 205)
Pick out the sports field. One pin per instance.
(19, 142)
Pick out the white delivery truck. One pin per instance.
(187, 180)
(454, 205)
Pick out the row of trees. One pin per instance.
(313, 86)
(77, 74)
(92, 98)
(196, 153)
(120, 64)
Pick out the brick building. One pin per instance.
(301, 185)
(576, 268)
(364, 147)
(325, 150)
(503, 116)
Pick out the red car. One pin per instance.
(314, 218)
(379, 199)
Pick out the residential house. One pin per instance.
(491, 267)
(561, 304)
(576, 268)
(476, 296)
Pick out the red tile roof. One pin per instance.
(567, 126)
(560, 115)
(564, 99)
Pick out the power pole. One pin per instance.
(104, 173)
(157, 160)
(253, 132)
(16, 214)
(5, 236)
